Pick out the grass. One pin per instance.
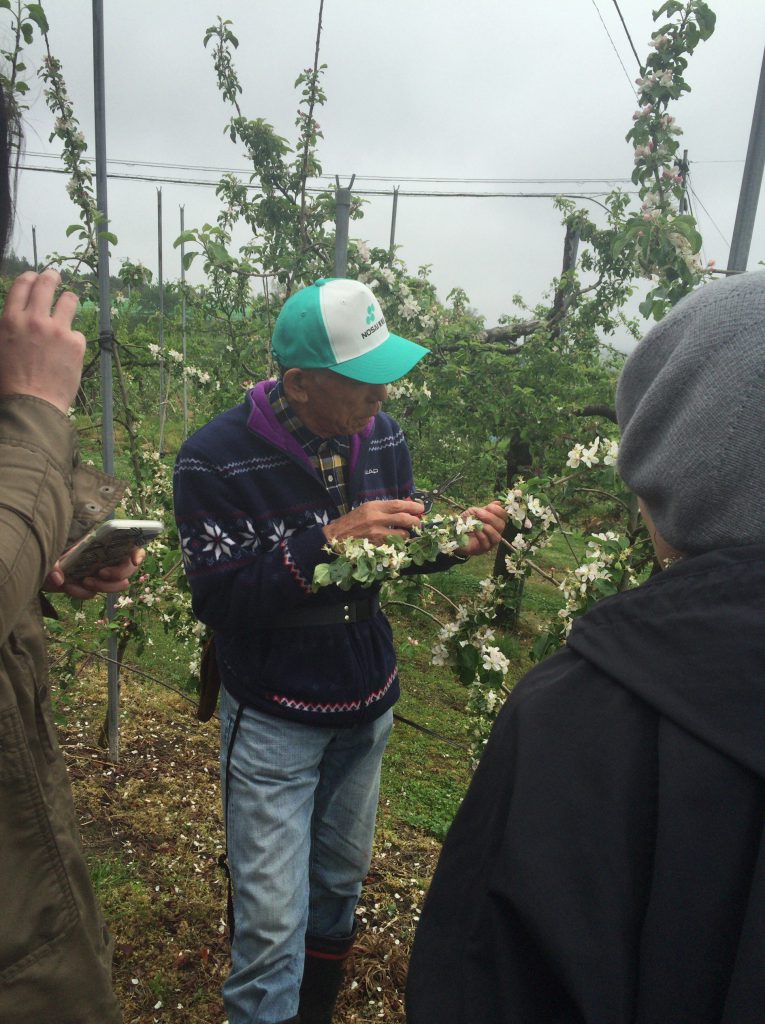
(111, 873)
(424, 777)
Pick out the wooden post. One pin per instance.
(342, 220)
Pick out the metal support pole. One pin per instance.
(183, 338)
(34, 246)
(105, 343)
(342, 220)
(393, 221)
(683, 167)
(750, 183)
(161, 284)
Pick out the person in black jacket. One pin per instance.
(607, 865)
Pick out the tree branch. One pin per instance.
(598, 410)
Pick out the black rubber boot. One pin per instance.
(322, 977)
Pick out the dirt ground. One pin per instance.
(152, 831)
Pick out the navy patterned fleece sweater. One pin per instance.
(250, 509)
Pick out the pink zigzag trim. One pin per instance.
(296, 574)
(351, 705)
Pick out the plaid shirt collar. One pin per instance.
(329, 455)
(309, 441)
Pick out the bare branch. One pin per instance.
(510, 332)
(598, 410)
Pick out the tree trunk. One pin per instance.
(518, 457)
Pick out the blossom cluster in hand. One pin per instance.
(358, 562)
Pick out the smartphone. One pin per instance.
(108, 544)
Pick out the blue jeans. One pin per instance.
(300, 822)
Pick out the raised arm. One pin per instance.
(40, 366)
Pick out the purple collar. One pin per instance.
(263, 421)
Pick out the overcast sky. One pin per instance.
(416, 89)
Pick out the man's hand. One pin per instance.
(40, 354)
(111, 579)
(376, 520)
(494, 519)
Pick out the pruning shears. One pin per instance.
(427, 497)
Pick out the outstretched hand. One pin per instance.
(494, 519)
(111, 579)
(376, 520)
(40, 354)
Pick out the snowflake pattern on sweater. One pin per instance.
(250, 509)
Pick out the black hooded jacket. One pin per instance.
(607, 865)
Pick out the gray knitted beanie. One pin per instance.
(691, 407)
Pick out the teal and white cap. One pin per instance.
(337, 324)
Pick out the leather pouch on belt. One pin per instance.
(209, 682)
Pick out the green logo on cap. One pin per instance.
(370, 313)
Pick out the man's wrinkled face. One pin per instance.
(332, 405)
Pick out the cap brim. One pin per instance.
(394, 358)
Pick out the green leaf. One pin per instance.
(37, 14)
(187, 236)
(218, 252)
(622, 240)
(188, 259)
(72, 228)
(686, 226)
(468, 660)
(543, 645)
(670, 7)
(706, 19)
(28, 32)
(110, 237)
(322, 575)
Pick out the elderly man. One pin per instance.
(309, 680)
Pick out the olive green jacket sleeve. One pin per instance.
(48, 499)
(37, 462)
(55, 950)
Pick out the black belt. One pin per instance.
(327, 615)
